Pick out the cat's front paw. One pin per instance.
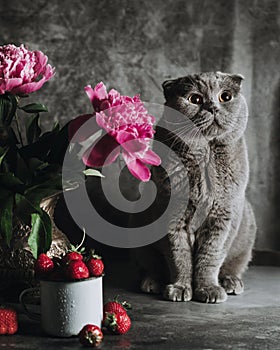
(210, 294)
(232, 284)
(177, 292)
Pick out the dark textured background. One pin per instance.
(135, 45)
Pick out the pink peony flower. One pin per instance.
(22, 71)
(129, 131)
(101, 100)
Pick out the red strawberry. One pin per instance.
(95, 266)
(91, 335)
(116, 306)
(117, 323)
(77, 270)
(43, 265)
(8, 321)
(70, 256)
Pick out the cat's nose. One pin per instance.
(210, 107)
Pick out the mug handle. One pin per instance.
(32, 315)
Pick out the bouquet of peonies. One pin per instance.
(31, 162)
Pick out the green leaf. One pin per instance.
(36, 193)
(4, 194)
(12, 109)
(93, 172)
(23, 208)
(59, 146)
(4, 108)
(13, 136)
(8, 106)
(22, 170)
(6, 219)
(40, 149)
(36, 164)
(10, 182)
(34, 108)
(40, 237)
(3, 152)
(33, 129)
(56, 127)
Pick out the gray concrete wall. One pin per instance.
(135, 45)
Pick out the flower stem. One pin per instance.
(18, 129)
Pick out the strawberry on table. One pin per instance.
(91, 335)
(8, 321)
(116, 306)
(43, 265)
(117, 323)
(76, 270)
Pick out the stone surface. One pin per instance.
(134, 46)
(249, 321)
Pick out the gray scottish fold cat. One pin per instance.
(211, 230)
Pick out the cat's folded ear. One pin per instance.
(169, 88)
(237, 78)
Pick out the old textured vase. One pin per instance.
(17, 261)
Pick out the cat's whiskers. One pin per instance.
(177, 132)
(177, 135)
(184, 131)
(194, 132)
(175, 123)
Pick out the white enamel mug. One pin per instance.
(68, 306)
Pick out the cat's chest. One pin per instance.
(225, 170)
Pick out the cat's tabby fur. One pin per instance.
(206, 254)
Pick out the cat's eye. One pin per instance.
(196, 99)
(225, 96)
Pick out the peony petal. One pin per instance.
(76, 135)
(134, 146)
(24, 71)
(150, 157)
(96, 95)
(104, 152)
(136, 99)
(102, 121)
(124, 136)
(89, 91)
(136, 167)
(114, 97)
(27, 88)
(10, 84)
(104, 105)
(41, 62)
(49, 72)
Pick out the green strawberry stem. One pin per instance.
(124, 304)
(77, 248)
(110, 321)
(92, 255)
(89, 337)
